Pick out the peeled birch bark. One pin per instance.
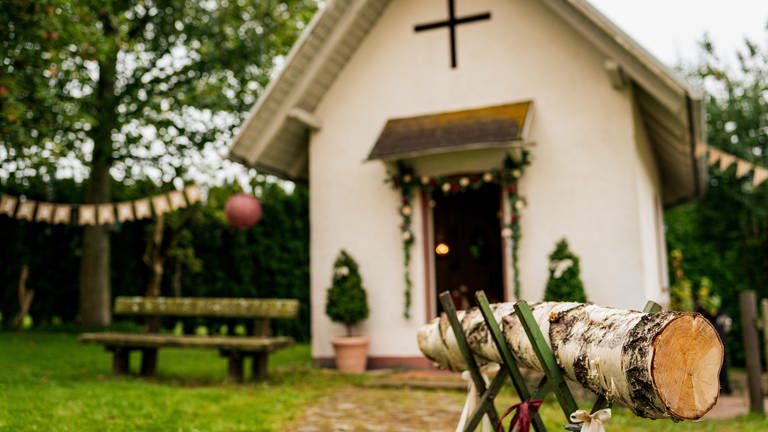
(660, 365)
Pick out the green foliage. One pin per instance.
(681, 293)
(130, 91)
(725, 233)
(346, 303)
(269, 260)
(129, 84)
(564, 283)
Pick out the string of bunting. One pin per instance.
(405, 181)
(723, 161)
(98, 214)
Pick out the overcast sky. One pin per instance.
(670, 28)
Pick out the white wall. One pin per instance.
(581, 185)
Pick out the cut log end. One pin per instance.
(685, 367)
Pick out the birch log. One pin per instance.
(660, 365)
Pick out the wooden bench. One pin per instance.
(234, 348)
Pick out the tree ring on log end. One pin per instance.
(687, 356)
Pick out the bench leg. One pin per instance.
(235, 367)
(121, 360)
(148, 361)
(259, 366)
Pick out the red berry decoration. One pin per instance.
(243, 210)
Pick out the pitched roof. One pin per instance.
(275, 135)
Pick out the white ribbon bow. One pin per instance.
(473, 399)
(591, 422)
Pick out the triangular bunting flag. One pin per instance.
(44, 212)
(176, 198)
(143, 211)
(86, 214)
(26, 210)
(761, 174)
(8, 205)
(160, 204)
(701, 150)
(193, 194)
(742, 168)
(714, 156)
(106, 213)
(62, 214)
(124, 211)
(726, 160)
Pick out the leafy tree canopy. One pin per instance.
(724, 235)
(143, 86)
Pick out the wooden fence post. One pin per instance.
(748, 304)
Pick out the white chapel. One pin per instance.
(449, 144)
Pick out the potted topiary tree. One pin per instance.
(347, 304)
(564, 282)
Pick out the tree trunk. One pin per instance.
(95, 285)
(660, 365)
(25, 297)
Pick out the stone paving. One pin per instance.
(383, 410)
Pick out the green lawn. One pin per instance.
(50, 382)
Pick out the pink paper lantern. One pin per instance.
(243, 210)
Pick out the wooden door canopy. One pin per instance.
(494, 126)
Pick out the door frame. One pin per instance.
(428, 236)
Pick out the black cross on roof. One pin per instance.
(451, 23)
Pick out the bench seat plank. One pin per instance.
(151, 340)
(212, 307)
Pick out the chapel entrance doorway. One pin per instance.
(467, 247)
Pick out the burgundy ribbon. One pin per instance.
(522, 417)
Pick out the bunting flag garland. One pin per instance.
(98, 214)
(26, 210)
(701, 150)
(761, 174)
(44, 212)
(714, 156)
(742, 168)
(725, 160)
(8, 205)
(160, 204)
(62, 214)
(106, 213)
(124, 211)
(193, 194)
(176, 199)
(142, 209)
(87, 215)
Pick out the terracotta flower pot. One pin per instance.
(351, 353)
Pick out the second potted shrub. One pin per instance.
(347, 304)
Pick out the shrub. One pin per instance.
(564, 282)
(346, 302)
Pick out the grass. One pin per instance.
(50, 382)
